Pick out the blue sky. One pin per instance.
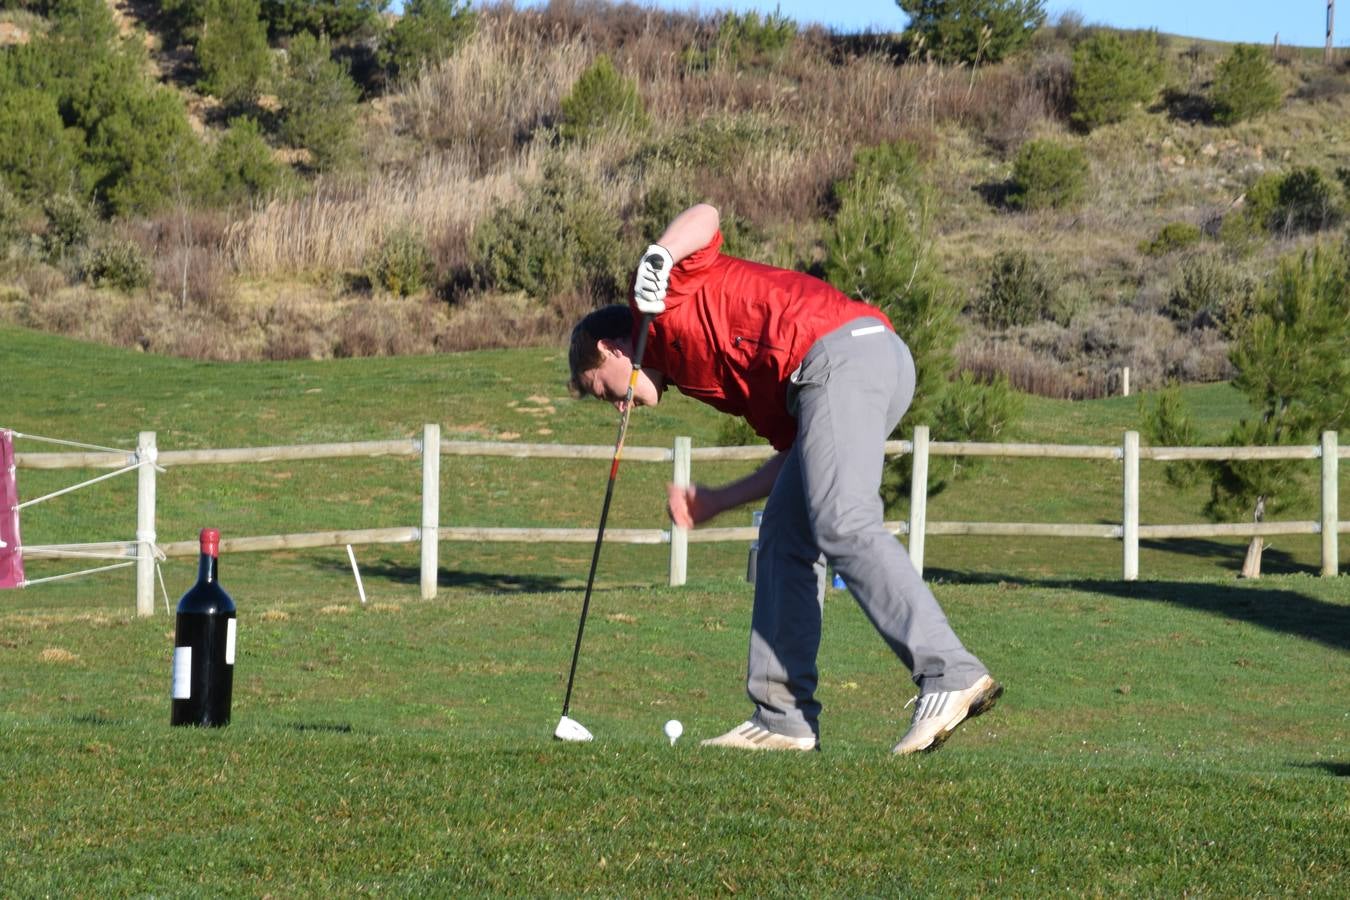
(1301, 22)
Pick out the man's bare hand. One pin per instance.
(688, 507)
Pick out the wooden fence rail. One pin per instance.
(430, 448)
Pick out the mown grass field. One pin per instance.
(1185, 734)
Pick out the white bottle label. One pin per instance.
(229, 641)
(182, 673)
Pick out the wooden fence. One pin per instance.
(430, 448)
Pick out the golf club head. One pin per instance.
(571, 730)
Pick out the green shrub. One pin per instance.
(880, 249)
(120, 264)
(318, 102)
(972, 31)
(1207, 290)
(11, 219)
(242, 166)
(1244, 85)
(1172, 237)
(1301, 200)
(1018, 292)
(39, 156)
(429, 30)
(745, 39)
(1048, 175)
(717, 144)
(560, 238)
(970, 410)
(602, 99)
(1305, 201)
(70, 223)
(1167, 422)
(232, 51)
(1111, 74)
(338, 19)
(401, 264)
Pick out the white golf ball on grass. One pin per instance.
(673, 730)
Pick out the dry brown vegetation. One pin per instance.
(763, 137)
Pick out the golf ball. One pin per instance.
(673, 730)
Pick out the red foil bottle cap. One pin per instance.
(211, 542)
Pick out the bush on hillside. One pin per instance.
(971, 410)
(318, 102)
(1245, 85)
(1207, 291)
(601, 100)
(339, 20)
(973, 32)
(1048, 175)
(129, 135)
(232, 51)
(1112, 73)
(428, 31)
(401, 264)
(745, 39)
(39, 156)
(11, 220)
(242, 166)
(1172, 237)
(1301, 200)
(559, 239)
(880, 250)
(119, 264)
(1018, 292)
(1305, 201)
(70, 223)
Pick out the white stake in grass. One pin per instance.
(360, 588)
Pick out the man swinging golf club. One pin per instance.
(825, 380)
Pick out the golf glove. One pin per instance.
(653, 277)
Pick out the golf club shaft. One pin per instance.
(604, 510)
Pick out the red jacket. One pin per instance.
(734, 330)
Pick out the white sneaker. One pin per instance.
(749, 736)
(937, 714)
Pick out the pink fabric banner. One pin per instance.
(11, 562)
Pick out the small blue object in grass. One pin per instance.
(838, 583)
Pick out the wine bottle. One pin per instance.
(203, 651)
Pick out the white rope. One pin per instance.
(77, 574)
(149, 460)
(162, 589)
(78, 554)
(76, 487)
(34, 437)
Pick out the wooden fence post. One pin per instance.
(679, 537)
(918, 497)
(1331, 507)
(145, 524)
(431, 509)
(1130, 519)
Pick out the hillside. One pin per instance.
(468, 210)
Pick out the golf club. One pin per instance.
(570, 729)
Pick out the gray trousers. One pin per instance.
(848, 394)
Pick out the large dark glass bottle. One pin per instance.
(203, 645)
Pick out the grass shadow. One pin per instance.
(495, 582)
(329, 727)
(1230, 556)
(996, 193)
(1274, 609)
(1335, 769)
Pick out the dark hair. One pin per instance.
(583, 354)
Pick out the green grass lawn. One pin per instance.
(1185, 734)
